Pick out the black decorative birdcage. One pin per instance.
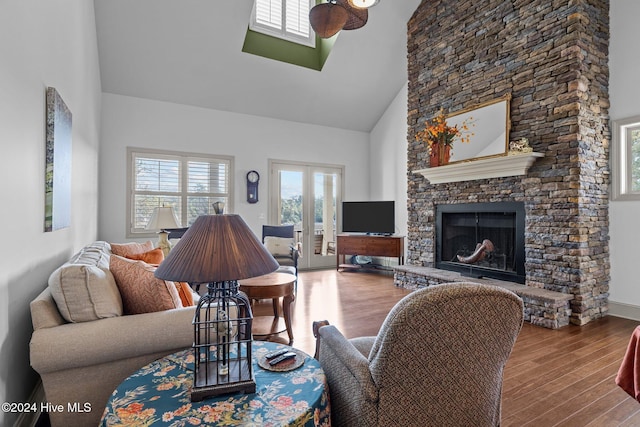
(222, 342)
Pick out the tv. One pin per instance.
(374, 217)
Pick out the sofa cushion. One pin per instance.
(141, 291)
(278, 246)
(83, 288)
(96, 253)
(132, 248)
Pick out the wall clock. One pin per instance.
(253, 178)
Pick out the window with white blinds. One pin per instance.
(286, 19)
(188, 183)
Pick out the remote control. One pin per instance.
(279, 359)
(276, 353)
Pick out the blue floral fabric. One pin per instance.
(159, 394)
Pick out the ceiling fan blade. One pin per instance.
(327, 19)
(357, 17)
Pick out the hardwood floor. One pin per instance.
(559, 377)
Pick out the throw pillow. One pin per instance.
(186, 295)
(132, 248)
(278, 246)
(85, 292)
(154, 256)
(141, 291)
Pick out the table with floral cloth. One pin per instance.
(159, 394)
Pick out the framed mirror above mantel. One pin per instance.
(490, 124)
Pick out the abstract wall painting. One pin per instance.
(58, 163)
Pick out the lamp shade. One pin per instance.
(217, 248)
(327, 19)
(163, 218)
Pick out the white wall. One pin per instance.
(42, 43)
(252, 140)
(388, 158)
(624, 88)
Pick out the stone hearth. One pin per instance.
(541, 307)
(551, 56)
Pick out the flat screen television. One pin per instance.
(369, 217)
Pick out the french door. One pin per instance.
(307, 196)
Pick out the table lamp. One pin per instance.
(163, 218)
(219, 250)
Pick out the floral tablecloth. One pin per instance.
(158, 394)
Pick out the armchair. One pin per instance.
(438, 360)
(280, 242)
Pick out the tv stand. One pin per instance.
(367, 245)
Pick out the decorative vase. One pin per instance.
(440, 155)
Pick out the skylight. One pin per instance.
(285, 19)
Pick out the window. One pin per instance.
(190, 183)
(625, 157)
(285, 19)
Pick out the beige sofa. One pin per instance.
(82, 361)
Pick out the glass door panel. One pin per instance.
(306, 196)
(290, 199)
(325, 191)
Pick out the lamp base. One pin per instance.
(209, 383)
(163, 242)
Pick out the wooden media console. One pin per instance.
(367, 245)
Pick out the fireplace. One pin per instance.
(481, 239)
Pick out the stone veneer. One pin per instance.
(552, 57)
(544, 308)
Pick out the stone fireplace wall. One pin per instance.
(552, 57)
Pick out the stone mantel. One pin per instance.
(493, 167)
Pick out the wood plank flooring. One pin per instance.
(559, 377)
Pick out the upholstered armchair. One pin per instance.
(438, 360)
(280, 242)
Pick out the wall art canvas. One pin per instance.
(58, 163)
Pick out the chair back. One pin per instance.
(440, 355)
(176, 233)
(277, 231)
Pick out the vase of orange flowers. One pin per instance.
(439, 154)
(439, 137)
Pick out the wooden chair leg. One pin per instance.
(316, 326)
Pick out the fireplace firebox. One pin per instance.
(481, 239)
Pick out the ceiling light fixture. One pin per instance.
(363, 4)
(328, 18)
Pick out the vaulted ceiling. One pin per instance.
(190, 52)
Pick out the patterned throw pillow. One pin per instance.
(141, 291)
(132, 248)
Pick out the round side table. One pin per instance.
(272, 286)
(159, 394)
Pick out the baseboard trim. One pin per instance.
(626, 311)
(29, 419)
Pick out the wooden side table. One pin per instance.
(272, 286)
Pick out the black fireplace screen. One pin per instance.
(482, 239)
